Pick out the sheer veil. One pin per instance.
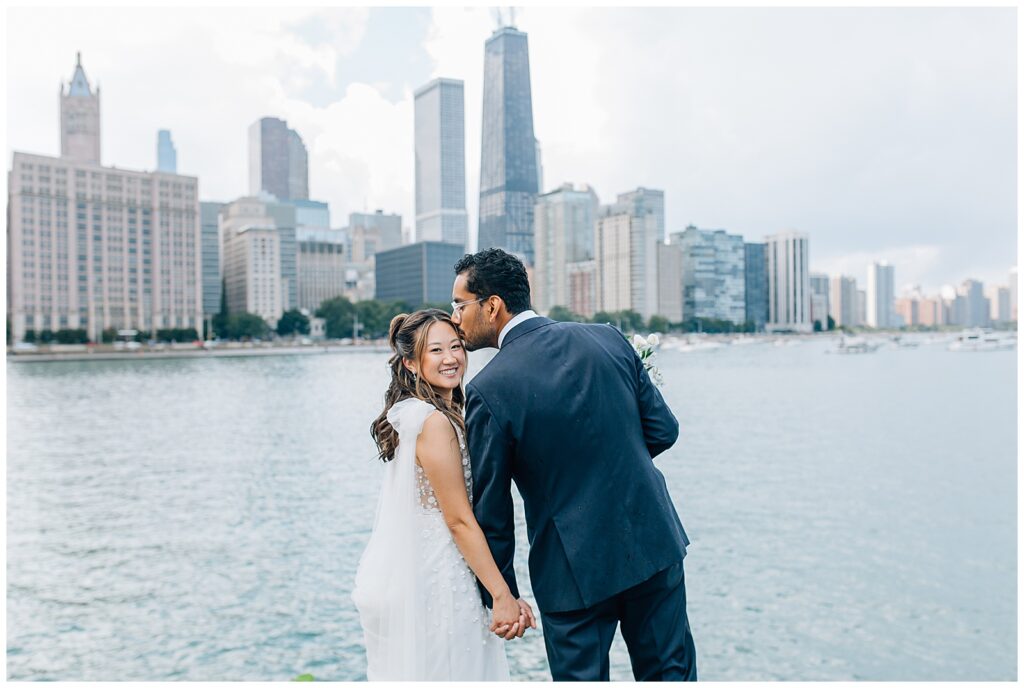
(388, 586)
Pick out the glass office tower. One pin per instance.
(508, 159)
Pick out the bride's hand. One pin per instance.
(507, 619)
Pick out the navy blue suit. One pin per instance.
(568, 412)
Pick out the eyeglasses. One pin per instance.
(456, 306)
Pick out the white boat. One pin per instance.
(856, 345)
(982, 340)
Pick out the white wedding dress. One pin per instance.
(417, 598)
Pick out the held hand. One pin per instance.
(507, 618)
(527, 612)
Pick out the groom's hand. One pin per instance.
(526, 612)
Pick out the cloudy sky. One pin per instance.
(881, 133)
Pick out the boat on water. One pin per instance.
(856, 345)
(983, 340)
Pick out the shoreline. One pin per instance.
(239, 352)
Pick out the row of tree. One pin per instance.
(367, 319)
(631, 321)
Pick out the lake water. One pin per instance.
(852, 517)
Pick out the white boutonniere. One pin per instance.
(645, 350)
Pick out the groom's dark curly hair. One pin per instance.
(492, 272)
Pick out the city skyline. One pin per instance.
(936, 226)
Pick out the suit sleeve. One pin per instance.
(661, 429)
(490, 453)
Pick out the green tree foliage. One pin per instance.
(337, 313)
(293, 322)
(627, 321)
(78, 336)
(246, 326)
(177, 334)
(375, 316)
(220, 321)
(108, 335)
(831, 323)
(817, 326)
(563, 314)
(658, 323)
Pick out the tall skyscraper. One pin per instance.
(821, 308)
(881, 294)
(843, 301)
(166, 153)
(278, 162)
(712, 274)
(80, 118)
(259, 266)
(508, 157)
(755, 284)
(970, 307)
(564, 234)
(626, 240)
(441, 163)
(789, 288)
(209, 213)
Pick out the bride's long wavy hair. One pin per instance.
(408, 340)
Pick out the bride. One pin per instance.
(418, 602)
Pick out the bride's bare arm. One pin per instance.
(437, 450)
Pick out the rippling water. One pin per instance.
(852, 517)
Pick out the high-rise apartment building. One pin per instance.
(881, 292)
(755, 284)
(563, 235)
(670, 282)
(789, 288)
(259, 257)
(508, 150)
(713, 275)
(843, 301)
(626, 254)
(820, 302)
(80, 119)
(209, 214)
(371, 233)
(970, 307)
(166, 153)
(582, 287)
(321, 263)
(441, 163)
(278, 161)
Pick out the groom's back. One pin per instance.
(583, 422)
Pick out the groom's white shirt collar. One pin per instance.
(520, 317)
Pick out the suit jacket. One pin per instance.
(568, 412)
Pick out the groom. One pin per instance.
(568, 412)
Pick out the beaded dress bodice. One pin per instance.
(424, 490)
